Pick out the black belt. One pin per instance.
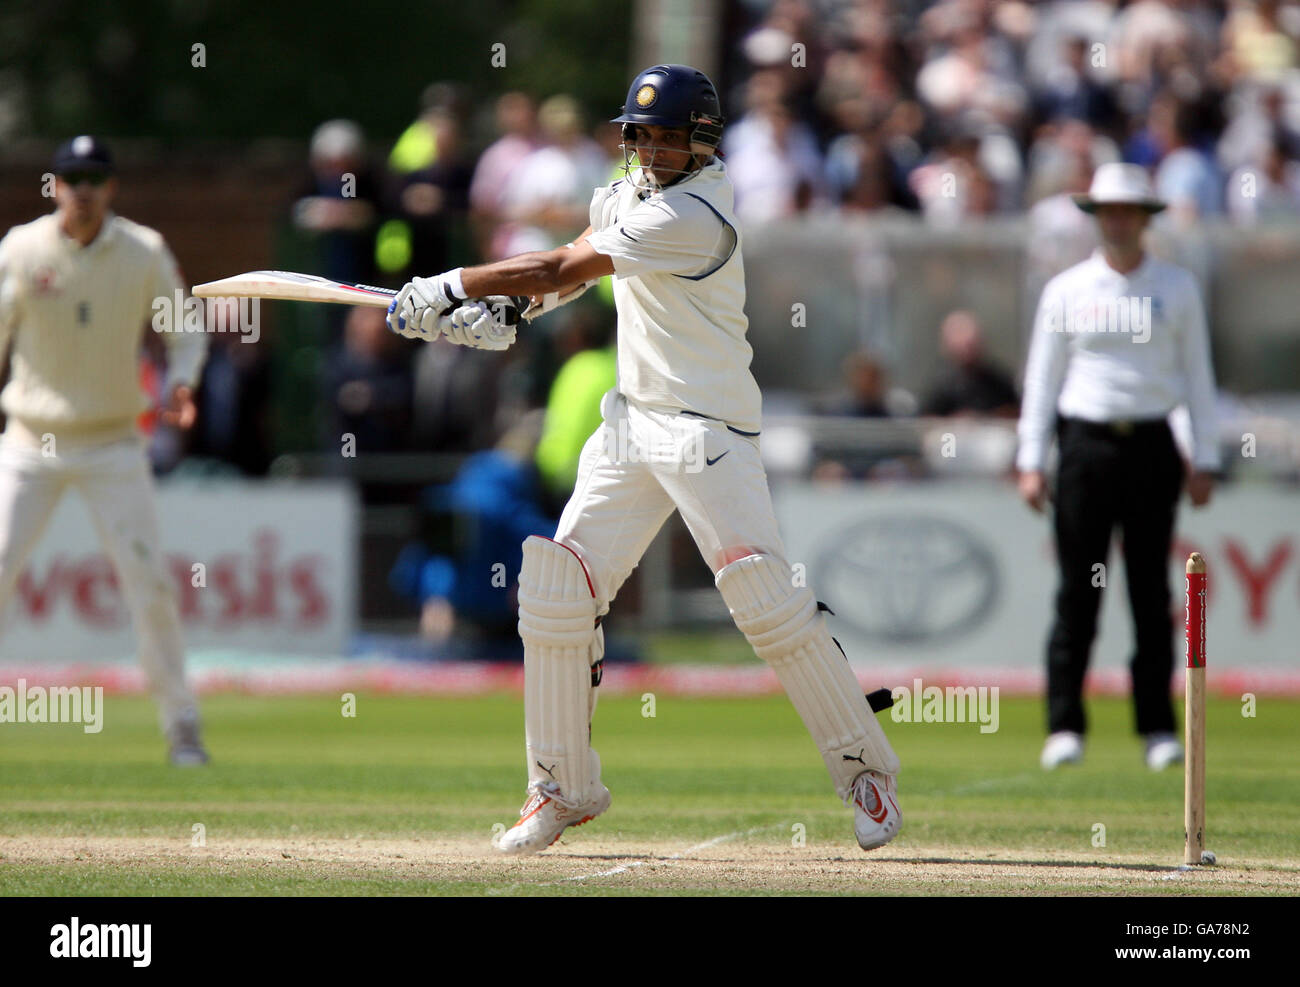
(1122, 428)
(730, 428)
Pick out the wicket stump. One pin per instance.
(1194, 778)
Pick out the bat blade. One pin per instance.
(291, 286)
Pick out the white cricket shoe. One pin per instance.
(547, 814)
(877, 819)
(1062, 747)
(1163, 749)
(184, 746)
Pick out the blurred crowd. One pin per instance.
(967, 108)
(468, 181)
(439, 201)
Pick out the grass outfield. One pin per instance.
(710, 797)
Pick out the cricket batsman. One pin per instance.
(680, 432)
(76, 290)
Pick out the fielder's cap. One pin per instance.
(83, 154)
(1120, 184)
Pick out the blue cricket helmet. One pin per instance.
(676, 96)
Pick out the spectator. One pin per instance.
(874, 188)
(456, 398)
(1063, 154)
(866, 394)
(417, 148)
(954, 184)
(573, 408)
(772, 158)
(1257, 46)
(337, 202)
(1260, 120)
(1186, 177)
(970, 384)
(866, 391)
(1267, 194)
(770, 48)
(968, 75)
(1061, 164)
(864, 78)
(1072, 91)
(516, 119)
(234, 398)
(548, 199)
(474, 525)
(1155, 46)
(428, 206)
(1049, 61)
(860, 173)
(369, 390)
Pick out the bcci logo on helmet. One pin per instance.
(646, 96)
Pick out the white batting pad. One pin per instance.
(594, 657)
(787, 631)
(557, 618)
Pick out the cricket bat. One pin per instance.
(291, 286)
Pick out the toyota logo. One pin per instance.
(908, 578)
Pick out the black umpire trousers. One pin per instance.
(1127, 475)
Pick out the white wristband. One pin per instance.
(454, 282)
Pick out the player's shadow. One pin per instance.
(615, 857)
(1080, 864)
(652, 858)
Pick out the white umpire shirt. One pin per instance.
(679, 285)
(1112, 347)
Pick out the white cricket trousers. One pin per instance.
(640, 465)
(113, 480)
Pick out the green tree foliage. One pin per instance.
(276, 69)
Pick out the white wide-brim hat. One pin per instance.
(1120, 184)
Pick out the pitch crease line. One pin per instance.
(624, 868)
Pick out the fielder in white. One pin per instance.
(76, 290)
(680, 433)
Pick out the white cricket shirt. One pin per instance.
(76, 316)
(679, 286)
(1118, 347)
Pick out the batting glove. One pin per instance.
(419, 309)
(485, 323)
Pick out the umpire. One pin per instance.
(1119, 341)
